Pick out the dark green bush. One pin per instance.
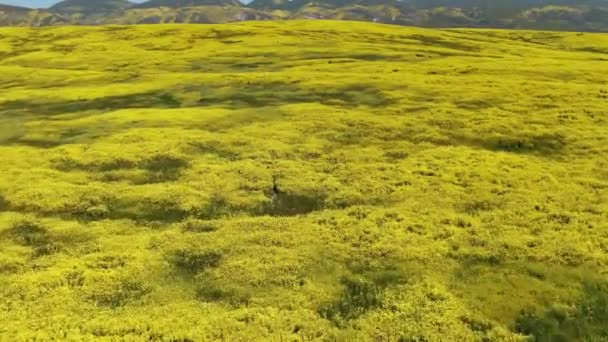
(161, 209)
(10, 266)
(109, 262)
(195, 261)
(233, 296)
(28, 232)
(382, 276)
(4, 204)
(115, 164)
(75, 278)
(588, 321)
(551, 327)
(546, 143)
(359, 295)
(163, 163)
(396, 155)
(287, 204)
(117, 293)
(168, 100)
(162, 168)
(477, 206)
(216, 207)
(476, 324)
(199, 226)
(413, 339)
(593, 310)
(45, 249)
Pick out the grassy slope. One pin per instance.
(433, 184)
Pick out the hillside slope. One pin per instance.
(302, 180)
(567, 15)
(89, 7)
(21, 16)
(187, 3)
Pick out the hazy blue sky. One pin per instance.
(37, 3)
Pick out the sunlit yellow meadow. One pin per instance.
(305, 180)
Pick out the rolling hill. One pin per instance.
(13, 9)
(87, 7)
(568, 15)
(187, 3)
(21, 16)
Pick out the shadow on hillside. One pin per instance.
(544, 144)
(52, 108)
(60, 138)
(234, 96)
(288, 204)
(213, 147)
(170, 212)
(444, 43)
(159, 162)
(280, 93)
(158, 168)
(170, 209)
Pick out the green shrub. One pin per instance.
(587, 321)
(358, 296)
(10, 265)
(198, 226)
(477, 324)
(287, 204)
(108, 262)
(233, 296)
(593, 310)
(216, 207)
(114, 293)
(193, 261)
(544, 329)
(45, 249)
(97, 212)
(396, 155)
(75, 278)
(544, 143)
(163, 162)
(114, 164)
(477, 206)
(382, 276)
(4, 204)
(28, 232)
(160, 209)
(31, 233)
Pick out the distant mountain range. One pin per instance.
(572, 15)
